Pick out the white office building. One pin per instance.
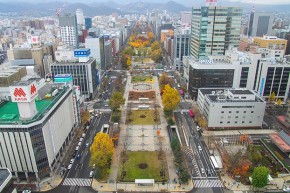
(231, 108)
(34, 133)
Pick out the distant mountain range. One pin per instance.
(92, 8)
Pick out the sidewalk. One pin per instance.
(171, 187)
(231, 184)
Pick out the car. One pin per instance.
(78, 156)
(26, 191)
(72, 161)
(69, 166)
(77, 148)
(81, 139)
(87, 144)
(83, 135)
(80, 143)
(91, 174)
(94, 166)
(106, 105)
(109, 83)
(199, 148)
(202, 170)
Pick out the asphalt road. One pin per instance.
(80, 167)
(201, 155)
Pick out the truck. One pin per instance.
(105, 128)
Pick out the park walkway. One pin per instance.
(130, 135)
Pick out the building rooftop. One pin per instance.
(224, 95)
(4, 174)
(242, 92)
(9, 113)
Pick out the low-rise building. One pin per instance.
(231, 108)
(6, 182)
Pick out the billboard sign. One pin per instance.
(23, 93)
(82, 53)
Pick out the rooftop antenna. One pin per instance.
(211, 2)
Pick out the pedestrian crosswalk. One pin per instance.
(188, 151)
(77, 182)
(207, 183)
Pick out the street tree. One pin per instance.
(164, 79)
(129, 62)
(102, 150)
(272, 96)
(129, 51)
(150, 36)
(156, 55)
(260, 176)
(155, 46)
(85, 117)
(116, 101)
(170, 98)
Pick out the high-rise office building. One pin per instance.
(181, 46)
(80, 17)
(68, 30)
(214, 29)
(260, 24)
(186, 17)
(88, 22)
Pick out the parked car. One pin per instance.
(72, 161)
(91, 174)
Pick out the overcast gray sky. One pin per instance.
(266, 2)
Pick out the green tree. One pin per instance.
(170, 98)
(175, 144)
(128, 51)
(116, 101)
(155, 45)
(260, 176)
(156, 55)
(170, 121)
(116, 116)
(123, 60)
(102, 150)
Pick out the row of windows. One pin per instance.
(221, 122)
(237, 112)
(229, 117)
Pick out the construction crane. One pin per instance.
(60, 9)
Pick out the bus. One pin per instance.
(214, 162)
(191, 113)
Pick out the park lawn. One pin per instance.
(136, 79)
(134, 172)
(137, 120)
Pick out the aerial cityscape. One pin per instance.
(144, 96)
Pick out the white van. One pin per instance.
(77, 148)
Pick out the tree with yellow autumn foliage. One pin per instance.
(170, 98)
(102, 150)
(129, 62)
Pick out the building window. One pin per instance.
(252, 111)
(237, 111)
(228, 122)
(237, 117)
(229, 117)
(245, 111)
(230, 111)
(223, 112)
(250, 121)
(236, 121)
(243, 121)
(221, 122)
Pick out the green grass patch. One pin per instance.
(142, 117)
(273, 151)
(152, 171)
(136, 79)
